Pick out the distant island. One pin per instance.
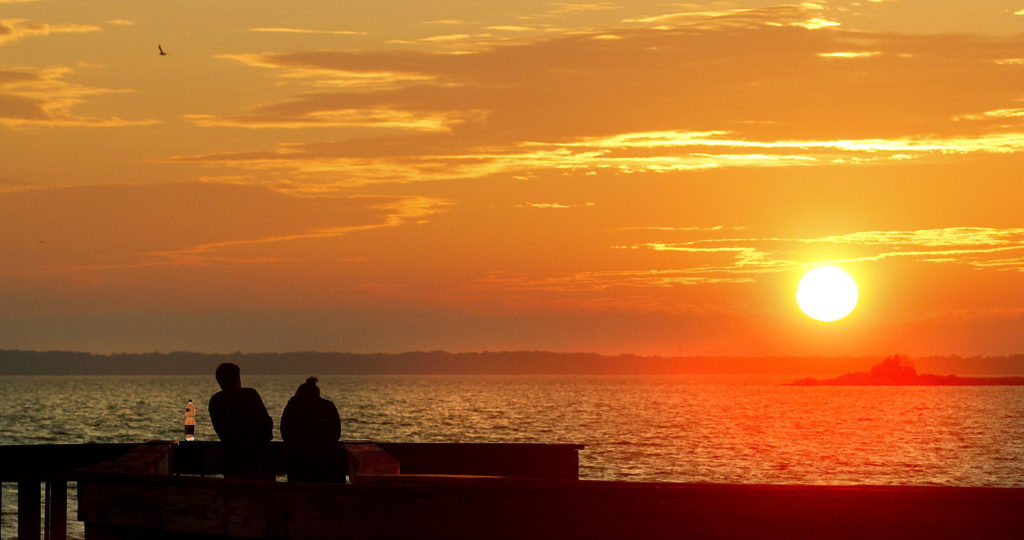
(897, 371)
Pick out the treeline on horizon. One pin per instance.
(18, 362)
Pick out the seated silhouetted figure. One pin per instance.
(243, 425)
(310, 427)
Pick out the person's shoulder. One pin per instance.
(249, 392)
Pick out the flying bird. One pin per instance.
(161, 49)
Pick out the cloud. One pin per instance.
(815, 23)
(370, 118)
(512, 28)
(977, 247)
(110, 227)
(714, 260)
(335, 78)
(673, 93)
(556, 206)
(282, 30)
(599, 281)
(564, 7)
(849, 54)
(12, 30)
(394, 212)
(997, 114)
(447, 37)
(714, 228)
(631, 153)
(950, 236)
(31, 97)
(803, 15)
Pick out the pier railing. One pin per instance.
(169, 491)
(40, 469)
(42, 472)
(132, 499)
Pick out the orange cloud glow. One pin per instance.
(615, 176)
(12, 30)
(43, 97)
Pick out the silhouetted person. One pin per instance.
(243, 425)
(310, 427)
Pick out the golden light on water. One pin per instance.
(827, 294)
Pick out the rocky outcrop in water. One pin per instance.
(898, 371)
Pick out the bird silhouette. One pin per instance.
(161, 49)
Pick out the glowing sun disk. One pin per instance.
(826, 293)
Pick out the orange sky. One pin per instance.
(638, 176)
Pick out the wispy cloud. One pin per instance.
(978, 247)
(687, 15)
(44, 98)
(285, 30)
(368, 118)
(12, 30)
(714, 260)
(849, 54)
(996, 143)
(816, 23)
(395, 212)
(512, 28)
(370, 79)
(714, 228)
(601, 280)
(556, 206)
(993, 115)
(568, 7)
(556, 103)
(447, 38)
(195, 224)
(657, 153)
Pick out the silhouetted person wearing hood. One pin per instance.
(310, 427)
(243, 425)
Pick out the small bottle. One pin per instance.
(190, 421)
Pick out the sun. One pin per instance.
(826, 293)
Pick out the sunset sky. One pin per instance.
(617, 177)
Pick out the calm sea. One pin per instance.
(662, 428)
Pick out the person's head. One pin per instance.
(308, 388)
(228, 375)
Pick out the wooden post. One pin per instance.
(57, 509)
(46, 510)
(28, 509)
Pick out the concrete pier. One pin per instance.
(395, 490)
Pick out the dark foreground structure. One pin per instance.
(430, 490)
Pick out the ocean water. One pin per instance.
(638, 428)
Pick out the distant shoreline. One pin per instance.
(18, 362)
